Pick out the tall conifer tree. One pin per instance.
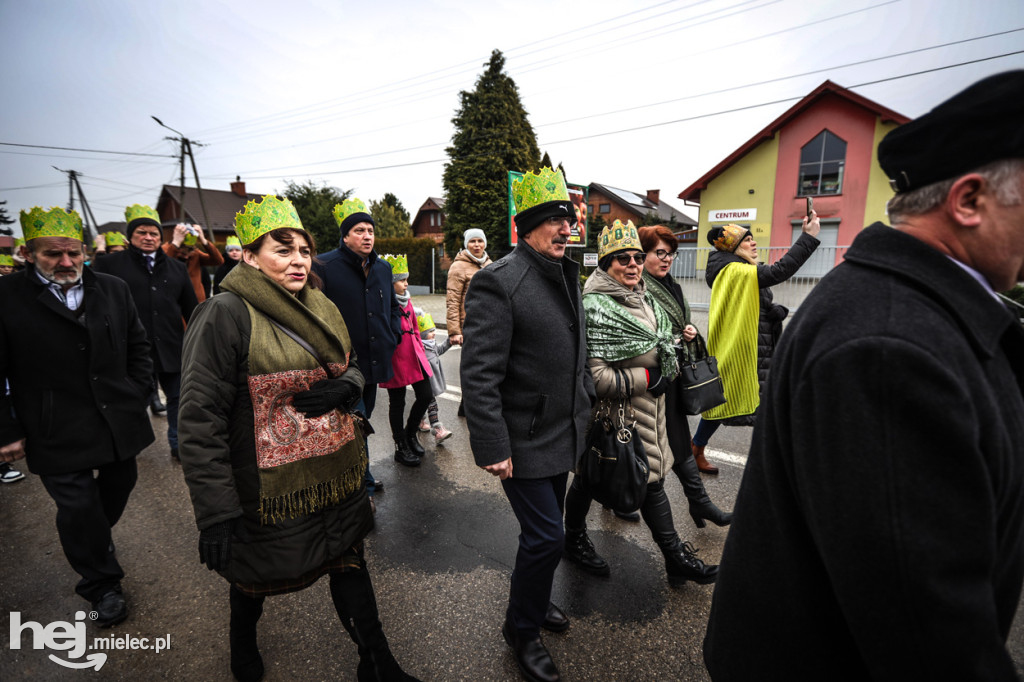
(492, 136)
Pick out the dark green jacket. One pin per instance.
(218, 455)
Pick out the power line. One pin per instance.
(76, 149)
(674, 121)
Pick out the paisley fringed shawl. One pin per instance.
(304, 464)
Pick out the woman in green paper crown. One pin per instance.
(272, 456)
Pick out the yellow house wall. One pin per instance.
(879, 191)
(730, 190)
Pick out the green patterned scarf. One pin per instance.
(680, 315)
(613, 333)
(304, 464)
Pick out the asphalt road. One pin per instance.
(440, 557)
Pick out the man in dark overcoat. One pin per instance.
(879, 528)
(358, 281)
(76, 356)
(164, 297)
(528, 395)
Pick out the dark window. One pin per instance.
(822, 161)
(604, 208)
(590, 209)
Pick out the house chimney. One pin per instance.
(238, 187)
(652, 195)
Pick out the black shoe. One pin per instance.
(157, 407)
(110, 609)
(532, 657)
(580, 550)
(555, 619)
(247, 671)
(174, 455)
(411, 438)
(709, 512)
(682, 564)
(378, 486)
(404, 456)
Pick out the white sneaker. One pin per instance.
(441, 434)
(424, 425)
(9, 474)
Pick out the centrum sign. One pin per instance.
(71, 637)
(732, 215)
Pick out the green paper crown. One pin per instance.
(19, 241)
(618, 237)
(8, 260)
(190, 239)
(538, 188)
(347, 208)
(268, 214)
(115, 238)
(53, 223)
(232, 241)
(399, 264)
(426, 322)
(139, 211)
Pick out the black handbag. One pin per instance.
(614, 465)
(700, 384)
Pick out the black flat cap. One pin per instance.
(982, 124)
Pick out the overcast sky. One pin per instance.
(360, 95)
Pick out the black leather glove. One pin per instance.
(326, 395)
(215, 544)
(656, 382)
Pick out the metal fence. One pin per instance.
(690, 263)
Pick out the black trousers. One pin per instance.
(537, 504)
(396, 407)
(88, 506)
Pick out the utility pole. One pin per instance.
(186, 150)
(89, 218)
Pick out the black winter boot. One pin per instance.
(403, 455)
(246, 662)
(681, 564)
(412, 438)
(701, 506)
(352, 593)
(580, 550)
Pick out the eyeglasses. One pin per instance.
(559, 221)
(667, 256)
(623, 259)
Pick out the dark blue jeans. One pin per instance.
(705, 429)
(366, 406)
(88, 506)
(537, 504)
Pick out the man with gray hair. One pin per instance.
(879, 529)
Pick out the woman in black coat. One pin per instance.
(735, 245)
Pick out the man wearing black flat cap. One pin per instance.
(879, 529)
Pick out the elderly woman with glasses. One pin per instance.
(631, 354)
(660, 246)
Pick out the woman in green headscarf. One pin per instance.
(632, 354)
(272, 454)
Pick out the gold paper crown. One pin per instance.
(618, 237)
(399, 264)
(232, 240)
(426, 322)
(538, 188)
(115, 238)
(190, 238)
(8, 260)
(53, 223)
(268, 214)
(730, 237)
(19, 241)
(139, 211)
(347, 208)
